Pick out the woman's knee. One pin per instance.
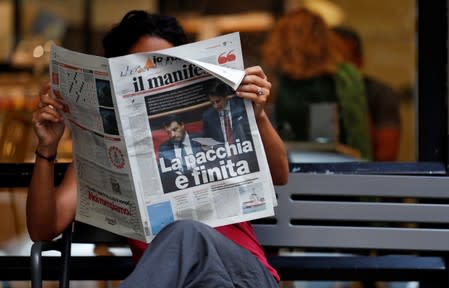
(188, 227)
(187, 224)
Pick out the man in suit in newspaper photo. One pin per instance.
(173, 152)
(226, 120)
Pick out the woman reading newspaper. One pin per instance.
(185, 253)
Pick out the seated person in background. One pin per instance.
(383, 101)
(304, 53)
(184, 253)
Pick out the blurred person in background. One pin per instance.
(306, 56)
(383, 100)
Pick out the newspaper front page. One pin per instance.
(153, 143)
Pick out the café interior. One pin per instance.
(398, 40)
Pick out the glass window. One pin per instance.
(389, 42)
(314, 129)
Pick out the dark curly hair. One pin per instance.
(218, 88)
(301, 45)
(138, 23)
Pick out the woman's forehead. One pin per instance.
(149, 44)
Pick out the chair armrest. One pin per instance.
(62, 245)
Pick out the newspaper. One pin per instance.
(144, 145)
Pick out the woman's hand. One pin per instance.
(48, 123)
(256, 88)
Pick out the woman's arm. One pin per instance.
(274, 149)
(49, 209)
(256, 88)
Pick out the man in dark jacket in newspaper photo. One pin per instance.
(173, 154)
(226, 121)
(184, 253)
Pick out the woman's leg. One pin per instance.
(190, 254)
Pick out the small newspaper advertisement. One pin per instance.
(161, 136)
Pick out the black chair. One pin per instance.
(62, 245)
(67, 267)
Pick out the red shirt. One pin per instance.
(241, 233)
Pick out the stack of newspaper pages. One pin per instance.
(144, 149)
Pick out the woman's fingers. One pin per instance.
(254, 93)
(255, 85)
(256, 70)
(47, 120)
(47, 98)
(47, 113)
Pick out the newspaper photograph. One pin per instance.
(161, 136)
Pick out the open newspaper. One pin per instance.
(149, 147)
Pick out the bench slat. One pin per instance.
(369, 211)
(82, 267)
(366, 185)
(344, 268)
(354, 238)
(347, 268)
